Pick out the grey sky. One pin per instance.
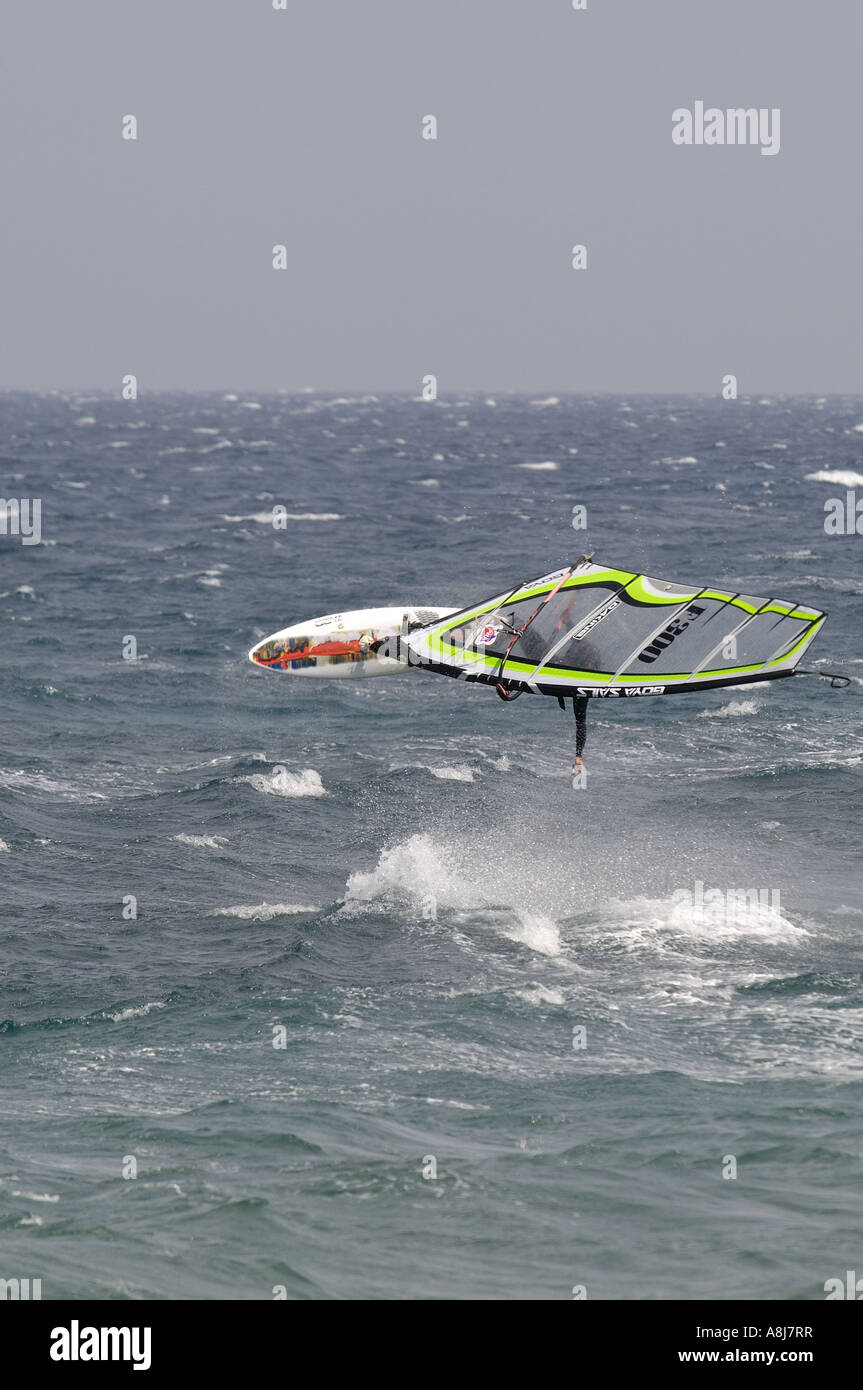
(407, 256)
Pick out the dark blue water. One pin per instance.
(421, 902)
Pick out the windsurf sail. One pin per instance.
(589, 630)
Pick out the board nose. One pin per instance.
(265, 652)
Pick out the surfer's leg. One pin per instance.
(579, 709)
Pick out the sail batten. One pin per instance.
(731, 636)
(625, 665)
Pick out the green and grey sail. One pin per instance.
(588, 630)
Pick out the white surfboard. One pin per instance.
(341, 644)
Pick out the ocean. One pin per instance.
(341, 990)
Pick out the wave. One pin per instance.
(20, 781)
(540, 933)
(526, 897)
(283, 783)
(427, 875)
(201, 841)
(540, 994)
(119, 1015)
(845, 477)
(136, 1011)
(654, 921)
(415, 868)
(263, 912)
(735, 710)
(266, 518)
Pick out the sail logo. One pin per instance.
(597, 618)
(487, 635)
(603, 691)
(666, 637)
(735, 126)
(76, 1343)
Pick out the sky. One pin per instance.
(408, 257)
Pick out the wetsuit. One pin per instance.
(579, 709)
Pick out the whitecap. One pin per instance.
(283, 783)
(416, 868)
(735, 710)
(540, 933)
(540, 994)
(266, 518)
(263, 912)
(201, 841)
(650, 922)
(845, 477)
(136, 1011)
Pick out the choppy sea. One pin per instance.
(413, 1018)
